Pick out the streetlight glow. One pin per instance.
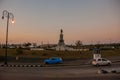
(12, 21)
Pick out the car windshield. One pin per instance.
(99, 59)
(53, 58)
(104, 60)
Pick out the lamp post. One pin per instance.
(9, 16)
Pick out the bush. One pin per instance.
(33, 53)
(44, 54)
(19, 51)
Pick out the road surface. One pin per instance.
(81, 72)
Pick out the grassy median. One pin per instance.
(28, 55)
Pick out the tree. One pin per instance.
(78, 44)
(27, 44)
(35, 45)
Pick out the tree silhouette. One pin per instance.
(78, 44)
(27, 44)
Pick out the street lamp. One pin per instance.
(9, 17)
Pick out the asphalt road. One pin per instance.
(81, 72)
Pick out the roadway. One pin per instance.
(80, 72)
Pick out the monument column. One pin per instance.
(61, 40)
(61, 44)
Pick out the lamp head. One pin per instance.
(12, 20)
(2, 17)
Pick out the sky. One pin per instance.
(36, 21)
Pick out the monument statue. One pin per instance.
(61, 40)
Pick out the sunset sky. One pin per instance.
(90, 21)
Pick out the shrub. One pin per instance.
(19, 51)
(33, 53)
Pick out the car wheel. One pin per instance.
(97, 65)
(109, 64)
(60, 62)
(46, 63)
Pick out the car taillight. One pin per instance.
(94, 62)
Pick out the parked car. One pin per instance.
(101, 61)
(53, 60)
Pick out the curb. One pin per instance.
(20, 65)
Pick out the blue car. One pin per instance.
(53, 60)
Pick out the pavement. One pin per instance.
(69, 70)
(53, 73)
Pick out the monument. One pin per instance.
(61, 40)
(61, 44)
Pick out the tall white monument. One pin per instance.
(61, 44)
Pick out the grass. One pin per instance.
(27, 55)
(46, 53)
(110, 53)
